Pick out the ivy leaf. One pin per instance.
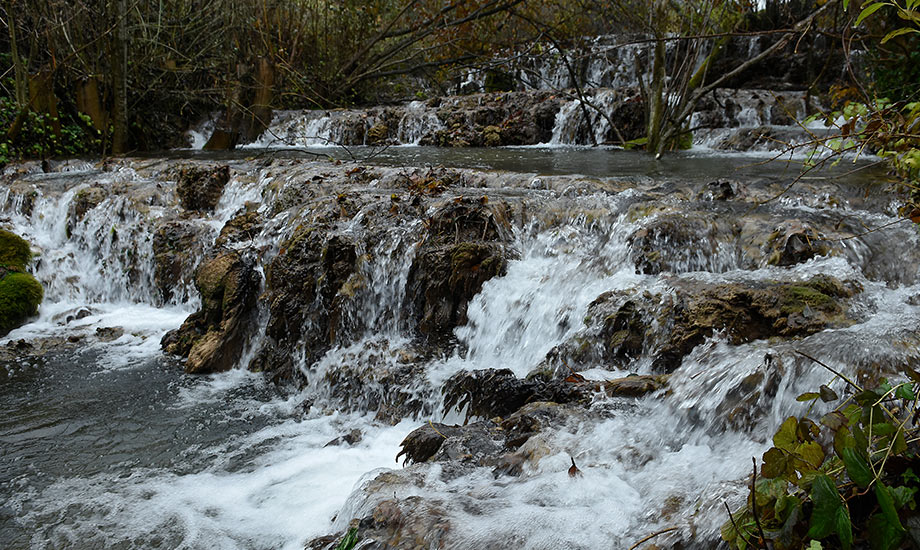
(825, 515)
(857, 468)
(882, 534)
(904, 391)
(886, 504)
(808, 396)
(785, 438)
(866, 398)
(775, 464)
(844, 528)
(903, 496)
(811, 453)
(827, 394)
(843, 439)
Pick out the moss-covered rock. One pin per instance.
(20, 295)
(14, 251)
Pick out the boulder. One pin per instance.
(15, 253)
(213, 337)
(463, 248)
(20, 295)
(377, 134)
(200, 188)
(794, 242)
(87, 199)
(623, 327)
(490, 393)
(677, 242)
(240, 228)
(304, 281)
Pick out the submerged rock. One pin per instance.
(213, 337)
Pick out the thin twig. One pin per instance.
(763, 538)
(650, 537)
(836, 372)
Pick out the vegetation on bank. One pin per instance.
(79, 78)
(850, 477)
(844, 478)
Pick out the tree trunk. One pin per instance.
(89, 102)
(260, 112)
(19, 69)
(120, 81)
(20, 77)
(656, 100)
(42, 99)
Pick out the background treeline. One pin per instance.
(109, 76)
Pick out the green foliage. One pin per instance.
(844, 481)
(15, 254)
(349, 541)
(37, 137)
(20, 295)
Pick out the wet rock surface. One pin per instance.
(212, 339)
(465, 246)
(176, 250)
(199, 188)
(668, 327)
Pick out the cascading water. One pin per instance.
(757, 120)
(110, 446)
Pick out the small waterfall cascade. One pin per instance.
(542, 92)
(417, 122)
(94, 232)
(412, 283)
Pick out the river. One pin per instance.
(106, 443)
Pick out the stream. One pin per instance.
(106, 443)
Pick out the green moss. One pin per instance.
(829, 285)
(14, 251)
(799, 296)
(20, 295)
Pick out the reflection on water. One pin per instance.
(589, 161)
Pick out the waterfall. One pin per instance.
(231, 460)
